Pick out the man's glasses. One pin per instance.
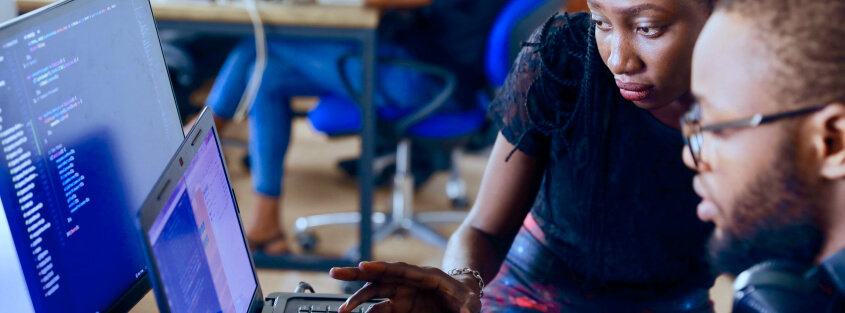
(694, 132)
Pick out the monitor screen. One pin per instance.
(87, 123)
(197, 241)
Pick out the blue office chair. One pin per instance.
(338, 115)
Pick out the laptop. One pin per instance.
(198, 256)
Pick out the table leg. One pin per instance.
(365, 172)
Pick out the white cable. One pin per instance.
(260, 62)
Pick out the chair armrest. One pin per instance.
(448, 78)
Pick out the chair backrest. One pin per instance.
(516, 22)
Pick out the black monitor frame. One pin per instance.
(142, 285)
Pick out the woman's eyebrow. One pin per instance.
(632, 10)
(637, 9)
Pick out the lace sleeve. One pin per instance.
(541, 90)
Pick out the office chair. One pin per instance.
(339, 115)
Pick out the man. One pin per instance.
(773, 182)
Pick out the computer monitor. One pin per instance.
(87, 123)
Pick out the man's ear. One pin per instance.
(829, 140)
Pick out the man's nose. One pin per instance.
(690, 162)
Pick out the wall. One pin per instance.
(7, 10)
(574, 6)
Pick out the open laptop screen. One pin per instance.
(87, 122)
(197, 241)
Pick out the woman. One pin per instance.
(589, 147)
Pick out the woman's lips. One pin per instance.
(634, 91)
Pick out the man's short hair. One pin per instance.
(806, 39)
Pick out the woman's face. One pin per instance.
(648, 45)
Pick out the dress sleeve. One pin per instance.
(541, 90)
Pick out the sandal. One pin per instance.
(261, 246)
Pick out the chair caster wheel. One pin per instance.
(308, 241)
(350, 287)
(460, 203)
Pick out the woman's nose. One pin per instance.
(623, 57)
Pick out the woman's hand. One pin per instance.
(409, 289)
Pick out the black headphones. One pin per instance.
(783, 287)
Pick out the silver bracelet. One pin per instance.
(474, 273)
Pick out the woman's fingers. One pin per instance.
(384, 307)
(346, 273)
(423, 278)
(408, 277)
(355, 274)
(369, 292)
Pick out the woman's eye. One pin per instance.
(649, 31)
(601, 25)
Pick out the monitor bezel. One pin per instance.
(165, 186)
(142, 285)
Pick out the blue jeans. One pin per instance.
(303, 68)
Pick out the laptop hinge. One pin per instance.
(269, 305)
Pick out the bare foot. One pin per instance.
(276, 245)
(266, 233)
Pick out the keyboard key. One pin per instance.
(332, 309)
(318, 309)
(304, 309)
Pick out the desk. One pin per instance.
(298, 21)
(272, 14)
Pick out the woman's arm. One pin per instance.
(505, 198)
(481, 243)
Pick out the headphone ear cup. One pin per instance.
(779, 287)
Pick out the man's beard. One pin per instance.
(775, 219)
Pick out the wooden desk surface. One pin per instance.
(334, 16)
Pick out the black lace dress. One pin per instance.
(616, 208)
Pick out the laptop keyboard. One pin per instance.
(327, 308)
(321, 303)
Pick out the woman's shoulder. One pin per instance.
(543, 89)
(564, 56)
(564, 44)
(577, 22)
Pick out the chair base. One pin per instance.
(417, 226)
(402, 220)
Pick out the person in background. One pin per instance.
(768, 141)
(585, 205)
(449, 33)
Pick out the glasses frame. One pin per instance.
(694, 131)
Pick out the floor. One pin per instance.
(314, 185)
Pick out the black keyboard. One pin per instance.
(312, 303)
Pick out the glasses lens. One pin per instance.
(692, 131)
(695, 146)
